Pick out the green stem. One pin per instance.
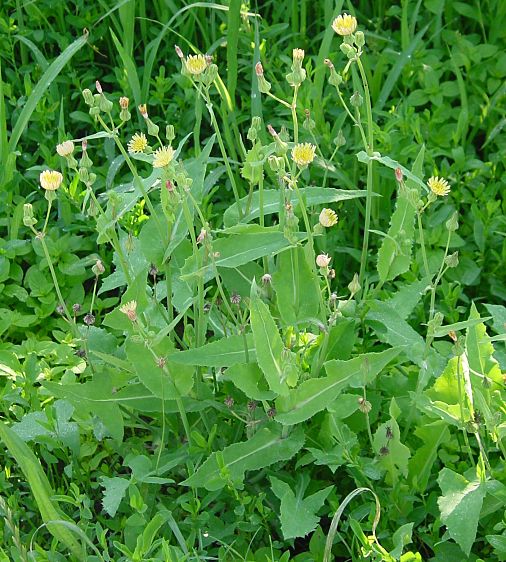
(422, 244)
(370, 148)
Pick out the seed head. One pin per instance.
(384, 451)
(235, 298)
(364, 405)
(344, 24)
(60, 309)
(89, 319)
(271, 413)
(76, 308)
(328, 218)
(50, 180)
(229, 402)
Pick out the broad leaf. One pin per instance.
(296, 288)
(114, 492)
(249, 379)
(271, 354)
(312, 196)
(221, 353)
(263, 449)
(460, 506)
(314, 395)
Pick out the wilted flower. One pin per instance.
(137, 143)
(163, 156)
(130, 309)
(328, 218)
(89, 319)
(123, 102)
(98, 268)
(438, 186)
(266, 278)
(323, 260)
(50, 180)
(364, 405)
(344, 24)
(259, 69)
(202, 235)
(66, 148)
(179, 52)
(303, 154)
(196, 64)
(143, 110)
(398, 174)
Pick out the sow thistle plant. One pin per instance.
(245, 331)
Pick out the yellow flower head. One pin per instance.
(130, 309)
(163, 156)
(65, 148)
(137, 143)
(298, 54)
(328, 218)
(303, 154)
(196, 64)
(344, 24)
(50, 180)
(438, 186)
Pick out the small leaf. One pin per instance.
(115, 490)
(221, 353)
(305, 509)
(460, 507)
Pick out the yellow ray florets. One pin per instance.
(438, 186)
(50, 180)
(303, 154)
(138, 143)
(344, 24)
(163, 157)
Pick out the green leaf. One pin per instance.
(471, 323)
(312, 196)
(263, 449)
(392, 164)
(237, 250)
(460, 506)
(296, 287)
(40, 487)
(394, 256)
(271, 354)
(401, 538)
(42, 85)
(221, 353)
(171, 382)
(114, 492)
(420, 464)
(292, 504)
(249, 379)
(314, 395)
(392, 455)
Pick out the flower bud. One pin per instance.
(88, 97)
(356, 99)
(65, 149)
(179, 52)
(263, 85)
(28, 218)
(452, 260)
(152, 128)
(309, 123)
(323, 260)
(452, 224)
(170, 133)
(359, 39)
(98, 268)
(354, 285)
(349, 51)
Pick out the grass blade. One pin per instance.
(131, 72)
(43, 84)
(397, 69)
(234, 21)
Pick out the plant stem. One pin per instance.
(368, 203)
